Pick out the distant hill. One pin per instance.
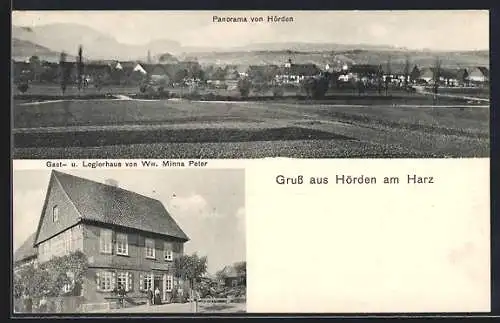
(22, 50)
(96, 44)
(397, 58)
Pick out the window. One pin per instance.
(147, 282)
(122, 281)
(122, 244)
(55, 214)
(169, 283)
(105, 240)
(106, 281)
(150, 248)
(234, 283)
(68, 239)
(169, 255)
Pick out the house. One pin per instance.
(130, 240)
(230, 277)
(362, 71)
(295, 73)
(157, 73)
(22, 71)
(26, 254)
(97, 70)
(479, 74)
(447, 77)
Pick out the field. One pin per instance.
(195, 129)
(466, 91)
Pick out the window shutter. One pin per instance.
(101, 244)
(130, 282)
(113, 280)
(141, 280)
(98, 281)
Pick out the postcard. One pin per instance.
(244, 162)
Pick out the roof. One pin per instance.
(483, 70)
(26, 250)
(301, 69)
(113, 205)
(364, 69)
(446, 73)
(230, 271)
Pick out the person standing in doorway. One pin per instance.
(157, 296)
(150, 297)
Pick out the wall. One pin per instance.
(135, 263)
(64, 243)
(68, 215)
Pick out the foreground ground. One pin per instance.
(182, 308)
(187, 129)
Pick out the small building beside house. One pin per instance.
(231, 278)
(130, 240)
(26, 254)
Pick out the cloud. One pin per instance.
(193, 205)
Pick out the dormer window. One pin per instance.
(55, 214)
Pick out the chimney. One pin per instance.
(111, 182)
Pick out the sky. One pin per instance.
(207, 204)
(417, 29)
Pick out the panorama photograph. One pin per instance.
(250, 84)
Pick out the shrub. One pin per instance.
(278, 92)
(23, 87)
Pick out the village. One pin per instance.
(289, 77)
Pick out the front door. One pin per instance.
(158, 283)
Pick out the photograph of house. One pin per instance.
(127, 241)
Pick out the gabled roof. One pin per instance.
(443, 72)
(364, 69)
(230, 272)
(301, 69)
(26, 250)
(113, 205)
(483, 70)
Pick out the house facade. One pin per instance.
(479, 75)
(295, 73)
(447, 77)
(130, 240)
(231, 278)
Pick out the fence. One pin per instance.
(227, 300)
(65, 304)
